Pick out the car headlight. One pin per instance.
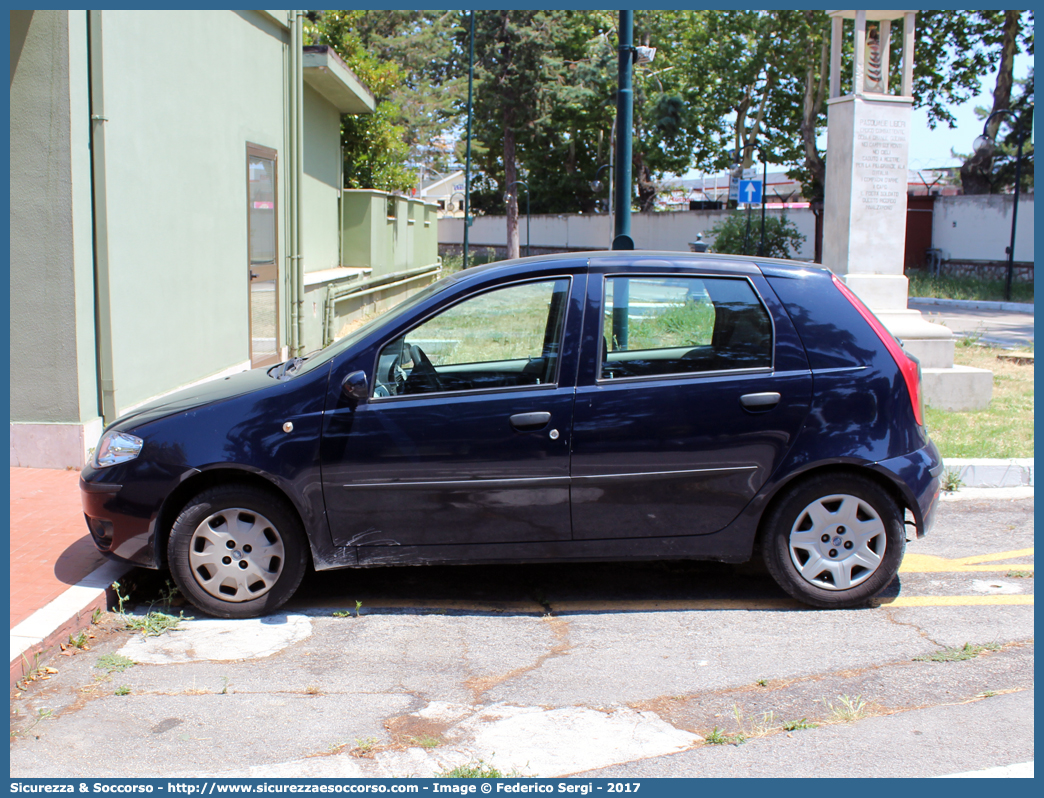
(116, 447)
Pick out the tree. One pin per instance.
(433, 85)
(517, 71)
(374, 145)
(738, 234)
(976, 171)
(1019, 126)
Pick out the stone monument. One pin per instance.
(864, 224)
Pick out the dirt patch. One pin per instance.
(409, 731)
(773, 706)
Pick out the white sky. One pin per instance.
(931, 148)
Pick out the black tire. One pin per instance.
(865, 541)
(237, 551)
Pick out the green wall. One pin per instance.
(52, 365)
(185, 91)
(322, 176)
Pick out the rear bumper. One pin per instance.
(918, 476)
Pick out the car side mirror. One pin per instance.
(355, 388)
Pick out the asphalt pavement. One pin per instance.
(1004, 324)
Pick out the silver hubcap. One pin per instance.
(236, 555)
(837, 542)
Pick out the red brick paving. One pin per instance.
(51, 549)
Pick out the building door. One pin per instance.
(262, 265)
(918, 230)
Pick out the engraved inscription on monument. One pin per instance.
(880, 163)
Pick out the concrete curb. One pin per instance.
(993, 473)
(976, 304)
(66, 615)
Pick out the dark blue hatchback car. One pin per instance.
(597, 406)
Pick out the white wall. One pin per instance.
(660, 231)
(976, 228)
(979, 227)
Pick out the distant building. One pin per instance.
(704, 193)
(446, 192)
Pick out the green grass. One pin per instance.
(718, 737)
(114, 663)
(473, 770)
(426, 741)
(923, 284)
(1005, 428)
(153, 624)
(502, 325)
(477, 256)
(688, 324)
(848, 708)
(957, 653)
(798, 725)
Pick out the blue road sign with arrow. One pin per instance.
(750, 192)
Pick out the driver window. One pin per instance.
(505, 338)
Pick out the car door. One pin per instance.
(695, 396)
(465, 437)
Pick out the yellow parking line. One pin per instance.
(1001, 555)
(928, 563)
(952, 601)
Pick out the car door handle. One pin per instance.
(530, 422)
(760, 401)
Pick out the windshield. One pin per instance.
(333, 350)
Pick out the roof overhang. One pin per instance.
(325, 72)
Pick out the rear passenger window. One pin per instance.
(677, 325)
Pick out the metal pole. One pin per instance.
(746, 235)
(1014, 217)
(764, 197)
(467, 156)
(624, 121)
(987, 139)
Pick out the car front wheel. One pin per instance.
(835, 541)
(237, 552)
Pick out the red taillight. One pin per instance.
(909, 367)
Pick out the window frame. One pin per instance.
(603, 380)
(551, 385)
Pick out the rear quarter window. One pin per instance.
(833, 332)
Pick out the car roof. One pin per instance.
(743, 264)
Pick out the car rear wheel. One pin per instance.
(237, 552)
(835, 541)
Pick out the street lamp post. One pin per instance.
(984, 141)
(764, 198)
(609, 205)
(467, 146)
(624, 127)
(523, 183)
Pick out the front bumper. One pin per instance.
(122, 507)
(919, 476)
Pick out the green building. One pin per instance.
(177, 212)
